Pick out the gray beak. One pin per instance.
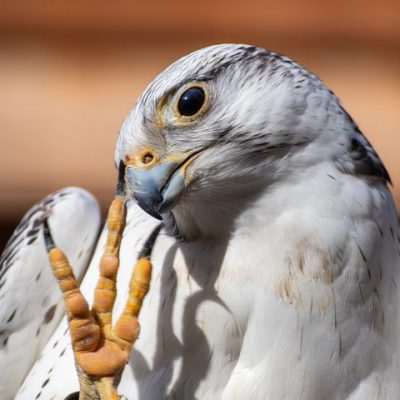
(156, 190)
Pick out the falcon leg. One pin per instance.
(100, 351)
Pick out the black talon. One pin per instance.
(149, 243)
(73, 396)
(121, 180)
(48, 239)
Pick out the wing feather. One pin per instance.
(30, 301)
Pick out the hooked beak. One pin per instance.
(158, 185)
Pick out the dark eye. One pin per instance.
(191, 101)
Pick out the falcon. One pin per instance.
(276, 270)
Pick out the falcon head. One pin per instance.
(224, 125)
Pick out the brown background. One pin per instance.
(71, 70)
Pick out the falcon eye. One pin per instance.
(191, 101)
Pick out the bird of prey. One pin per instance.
(276, 271)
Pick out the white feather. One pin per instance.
(30, 299)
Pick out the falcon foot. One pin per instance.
(101, 351)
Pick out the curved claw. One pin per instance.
(73, 396)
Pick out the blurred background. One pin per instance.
(71, 70)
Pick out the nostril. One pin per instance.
(147, 158)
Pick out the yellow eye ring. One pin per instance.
(192, 101)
